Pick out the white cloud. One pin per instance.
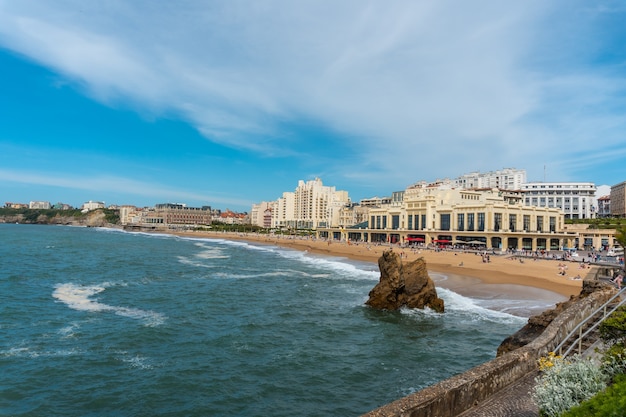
(444, 87)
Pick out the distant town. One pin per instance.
(497, 209)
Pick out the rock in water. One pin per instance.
(403, 285)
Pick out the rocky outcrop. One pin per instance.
(537, 324)
(403, 285)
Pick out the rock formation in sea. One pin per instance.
(537, 324)
(403, 285)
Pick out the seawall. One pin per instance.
(459, 393)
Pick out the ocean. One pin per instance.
(101, 322)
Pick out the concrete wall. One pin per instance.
(454, 395)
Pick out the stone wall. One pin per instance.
(454, 395)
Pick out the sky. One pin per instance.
(232, 103)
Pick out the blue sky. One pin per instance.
(231, 103)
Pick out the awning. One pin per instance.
(415, 239)
(441, 241)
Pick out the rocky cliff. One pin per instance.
(537, 324)
(403, 285)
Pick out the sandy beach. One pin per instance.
(501, 269)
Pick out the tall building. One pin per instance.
(504, 179)
(575, 199)
(311, 205)
(283, 213)
(618, 200)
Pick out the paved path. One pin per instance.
(513, 401)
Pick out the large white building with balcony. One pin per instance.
(577, 200)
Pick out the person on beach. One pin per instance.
(618, 280)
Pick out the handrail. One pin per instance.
(579, 327)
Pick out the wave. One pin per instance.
(346, 268)
(471, 308)
(78, 298)
(278, 273)
(27, 352)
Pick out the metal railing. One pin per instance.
(579, 328)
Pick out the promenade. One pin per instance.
(513, 401)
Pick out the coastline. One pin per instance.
(542, 273)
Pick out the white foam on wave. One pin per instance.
(185, 260)
(279, 273)
(27, 352)
(210, 252)
(136, 361)
(77, 297)
(465, 308)
(344, 268)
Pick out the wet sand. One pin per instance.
(502, 269)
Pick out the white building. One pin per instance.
(575, 199)
(311, 205)
(45, 205)
(92, 205)
(260, 212)
(504, 179)
(283, 214)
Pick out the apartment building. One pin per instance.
(618, 200)
(604, 206)
(44, 205)
(575, 199)
(504, 179)
(261, 214)
(311, 205)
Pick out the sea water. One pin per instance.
(99, 322)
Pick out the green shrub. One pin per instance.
(566, 384)
(613, 328)
(608, 403)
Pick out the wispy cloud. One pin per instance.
(439, 87)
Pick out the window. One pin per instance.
(481, 222)
(497, 221)
(540, 223)
(384, 222)
(512, 222)
(553, 224)
(372, 222)
(410, 222)
(423, 221)
(395, 222)
(445, 221)
(526, 223)
(461, 221)
(470, 222)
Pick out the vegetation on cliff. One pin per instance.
(99, 217)
(580, 387)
